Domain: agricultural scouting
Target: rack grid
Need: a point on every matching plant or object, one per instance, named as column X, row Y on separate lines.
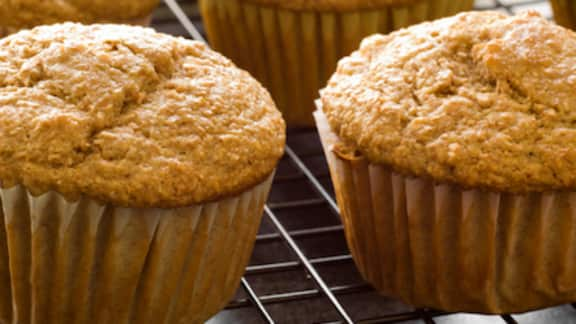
column 301, row 270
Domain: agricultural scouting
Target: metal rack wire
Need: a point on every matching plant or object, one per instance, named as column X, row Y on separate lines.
column 301, row 270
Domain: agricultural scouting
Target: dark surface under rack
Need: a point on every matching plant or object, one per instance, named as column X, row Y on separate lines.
column 301, row 270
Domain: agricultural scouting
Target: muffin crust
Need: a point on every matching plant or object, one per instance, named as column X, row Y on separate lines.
column 337, row 5
column 480, row 99
column 132, row 117
column 29, row 13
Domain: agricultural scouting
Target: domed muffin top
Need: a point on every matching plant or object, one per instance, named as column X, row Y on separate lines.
column 132, row 117
column 338, row 5
column 480, row 99
column 29, row 13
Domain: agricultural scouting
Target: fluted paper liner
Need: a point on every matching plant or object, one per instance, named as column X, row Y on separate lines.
column 454, row 249
column 83, row 262
column 140, row 21
column 564, row 12
column 293, row 53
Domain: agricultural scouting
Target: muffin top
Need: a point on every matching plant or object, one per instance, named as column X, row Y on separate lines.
column 29, row 13
column 338, row 5
column 480, row 99
column 132, row 117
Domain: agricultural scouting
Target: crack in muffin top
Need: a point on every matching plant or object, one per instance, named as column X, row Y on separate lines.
column 29, row 13
column 480, row 99
column 131, row 117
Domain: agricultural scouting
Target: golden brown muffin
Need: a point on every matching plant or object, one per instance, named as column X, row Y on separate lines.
column 21, row 14
column 134, row 169
column 292, row 47
column 458, row 102
column 105, row 105
column 451, row 146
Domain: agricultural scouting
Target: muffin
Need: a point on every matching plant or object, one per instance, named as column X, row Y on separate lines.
column 452, row 148
column 134, row 168
column 564, row 12
column 24, row 14
column 292, row 47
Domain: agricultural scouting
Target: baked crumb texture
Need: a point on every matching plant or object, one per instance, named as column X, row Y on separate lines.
column 480, row 99
column 132, row 117
column 29, row 13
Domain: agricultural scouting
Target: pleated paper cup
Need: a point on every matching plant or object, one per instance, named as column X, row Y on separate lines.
column 445, row 247
column 564, row 12
column 5, row 31
column 84, row 262
column 294, row 52
column 140, row 21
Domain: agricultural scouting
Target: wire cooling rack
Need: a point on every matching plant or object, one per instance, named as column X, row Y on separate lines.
column 301, row 270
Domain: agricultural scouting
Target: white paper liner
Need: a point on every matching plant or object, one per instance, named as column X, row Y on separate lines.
column 440, row 246
column 293, row 53
column 83, row 262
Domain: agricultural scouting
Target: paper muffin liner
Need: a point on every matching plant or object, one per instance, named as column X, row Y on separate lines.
column 454, row 249
column 293, row 53
column 83, row 262
column 140, row 21
column 564, row 12
column 5, row 31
